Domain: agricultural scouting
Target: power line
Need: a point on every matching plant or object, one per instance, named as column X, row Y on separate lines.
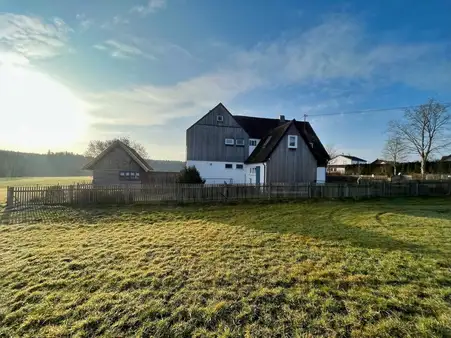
column 370, row 110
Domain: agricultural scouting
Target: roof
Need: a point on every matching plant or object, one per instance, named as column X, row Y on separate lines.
column 446, row 158
column 267, row 145
column 257, row 127
column 130, row 151
column 270, row 142
column 380, row 161
column 352, row 158
column 166, row 166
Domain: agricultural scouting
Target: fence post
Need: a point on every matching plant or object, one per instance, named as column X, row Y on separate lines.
column 10, row 197
column 71, row 194
column 416, row 189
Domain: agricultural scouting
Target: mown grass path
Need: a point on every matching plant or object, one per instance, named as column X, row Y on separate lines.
column 345, row 269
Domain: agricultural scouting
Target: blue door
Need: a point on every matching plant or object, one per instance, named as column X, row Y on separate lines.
column 257, row 175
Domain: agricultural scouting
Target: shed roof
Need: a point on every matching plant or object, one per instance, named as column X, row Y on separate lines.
column 130, row 151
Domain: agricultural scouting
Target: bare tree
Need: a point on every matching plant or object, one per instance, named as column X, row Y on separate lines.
column 331, row 150
column 425, row 130
column 95, row 147
column 395, row 150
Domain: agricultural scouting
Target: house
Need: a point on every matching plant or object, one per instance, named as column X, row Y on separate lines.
column 378, row 161
column 120, row 164
column 338, row 163
column 446, row 158
column 243, row 149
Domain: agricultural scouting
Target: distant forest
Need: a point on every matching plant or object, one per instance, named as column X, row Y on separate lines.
column 60, row 164
column 15, row 164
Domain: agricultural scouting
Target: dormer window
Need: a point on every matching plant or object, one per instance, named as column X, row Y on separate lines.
column 239, row 142
column 292, row 141
column 220, row 118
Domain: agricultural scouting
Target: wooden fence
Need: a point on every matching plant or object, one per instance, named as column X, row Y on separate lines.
column 87, row 194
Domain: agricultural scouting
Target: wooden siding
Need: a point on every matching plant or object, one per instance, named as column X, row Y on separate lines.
column 106, row 171
column 291, row 165
column 205, row 140
column 210, row 118
column 207, row 143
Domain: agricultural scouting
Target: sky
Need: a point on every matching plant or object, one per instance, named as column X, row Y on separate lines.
column 73, row 71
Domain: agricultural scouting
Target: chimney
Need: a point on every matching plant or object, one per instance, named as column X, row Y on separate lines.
column 282, row 118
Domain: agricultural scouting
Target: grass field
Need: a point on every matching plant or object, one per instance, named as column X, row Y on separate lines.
column 31, row 181
column 335, row 269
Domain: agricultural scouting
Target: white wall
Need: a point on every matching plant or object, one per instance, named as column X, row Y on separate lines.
column 320, row 175
column 340, row 160
column 216, row 173
column 252, row 177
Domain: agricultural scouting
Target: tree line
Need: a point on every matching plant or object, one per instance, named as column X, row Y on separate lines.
column 406, row 168
column 17, row 164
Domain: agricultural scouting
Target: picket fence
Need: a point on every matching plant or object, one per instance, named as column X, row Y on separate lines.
column 86, row 194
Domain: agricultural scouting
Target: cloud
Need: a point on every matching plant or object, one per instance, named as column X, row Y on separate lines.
column 30, row 37
column 153, row 105
column 122, row 50
column 339, row 49
column 151, row 7
column 84, row 22
column 335, row 58
column 117, row 20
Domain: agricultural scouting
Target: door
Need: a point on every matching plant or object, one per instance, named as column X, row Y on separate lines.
column 257, row 175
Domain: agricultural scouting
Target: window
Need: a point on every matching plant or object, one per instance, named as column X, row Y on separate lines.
column 229, row 141
column 253, row 143
column 129, row 175
column 220, row 118
column 252, row 170
column 239, row 142
column 292, row 141
column 229, row 166
column 239, row 166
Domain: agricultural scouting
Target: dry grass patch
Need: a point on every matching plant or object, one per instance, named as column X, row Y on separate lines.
column 375, row 268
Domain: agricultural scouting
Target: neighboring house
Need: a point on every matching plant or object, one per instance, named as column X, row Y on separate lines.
column 378, row 161
column 120, row 164
column 243, row 149
column 338, row 163
column 446, row 158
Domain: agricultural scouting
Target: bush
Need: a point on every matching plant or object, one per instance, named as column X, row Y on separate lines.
column 190, row 175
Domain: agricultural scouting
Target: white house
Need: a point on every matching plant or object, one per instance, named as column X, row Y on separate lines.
column 338, row 163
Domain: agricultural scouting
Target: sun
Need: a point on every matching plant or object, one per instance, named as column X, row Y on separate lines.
column 37, row 113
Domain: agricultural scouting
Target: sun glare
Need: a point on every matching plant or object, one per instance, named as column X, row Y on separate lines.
column 37, row 113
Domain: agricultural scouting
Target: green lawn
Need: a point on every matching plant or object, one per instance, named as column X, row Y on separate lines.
column 31, row 181
column 347, row 269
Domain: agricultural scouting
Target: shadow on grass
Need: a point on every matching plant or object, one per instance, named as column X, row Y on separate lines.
column 331, row 222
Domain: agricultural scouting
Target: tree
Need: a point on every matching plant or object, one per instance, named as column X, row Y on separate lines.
column 95, row 147
column 395, row 150
column 190, row 175
column 331, row 150
column 424, row 130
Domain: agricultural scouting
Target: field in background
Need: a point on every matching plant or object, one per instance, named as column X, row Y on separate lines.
column 32, row 181
column 362, row 269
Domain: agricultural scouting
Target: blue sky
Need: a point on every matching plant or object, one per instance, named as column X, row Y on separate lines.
column 149, row 69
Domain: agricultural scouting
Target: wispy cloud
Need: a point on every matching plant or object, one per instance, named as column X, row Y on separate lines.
column 151, row 7
column 117, row 20
column 332, row 58
column 84, row 22
column 149, row 105
column 30, row 37
column 122, row 50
